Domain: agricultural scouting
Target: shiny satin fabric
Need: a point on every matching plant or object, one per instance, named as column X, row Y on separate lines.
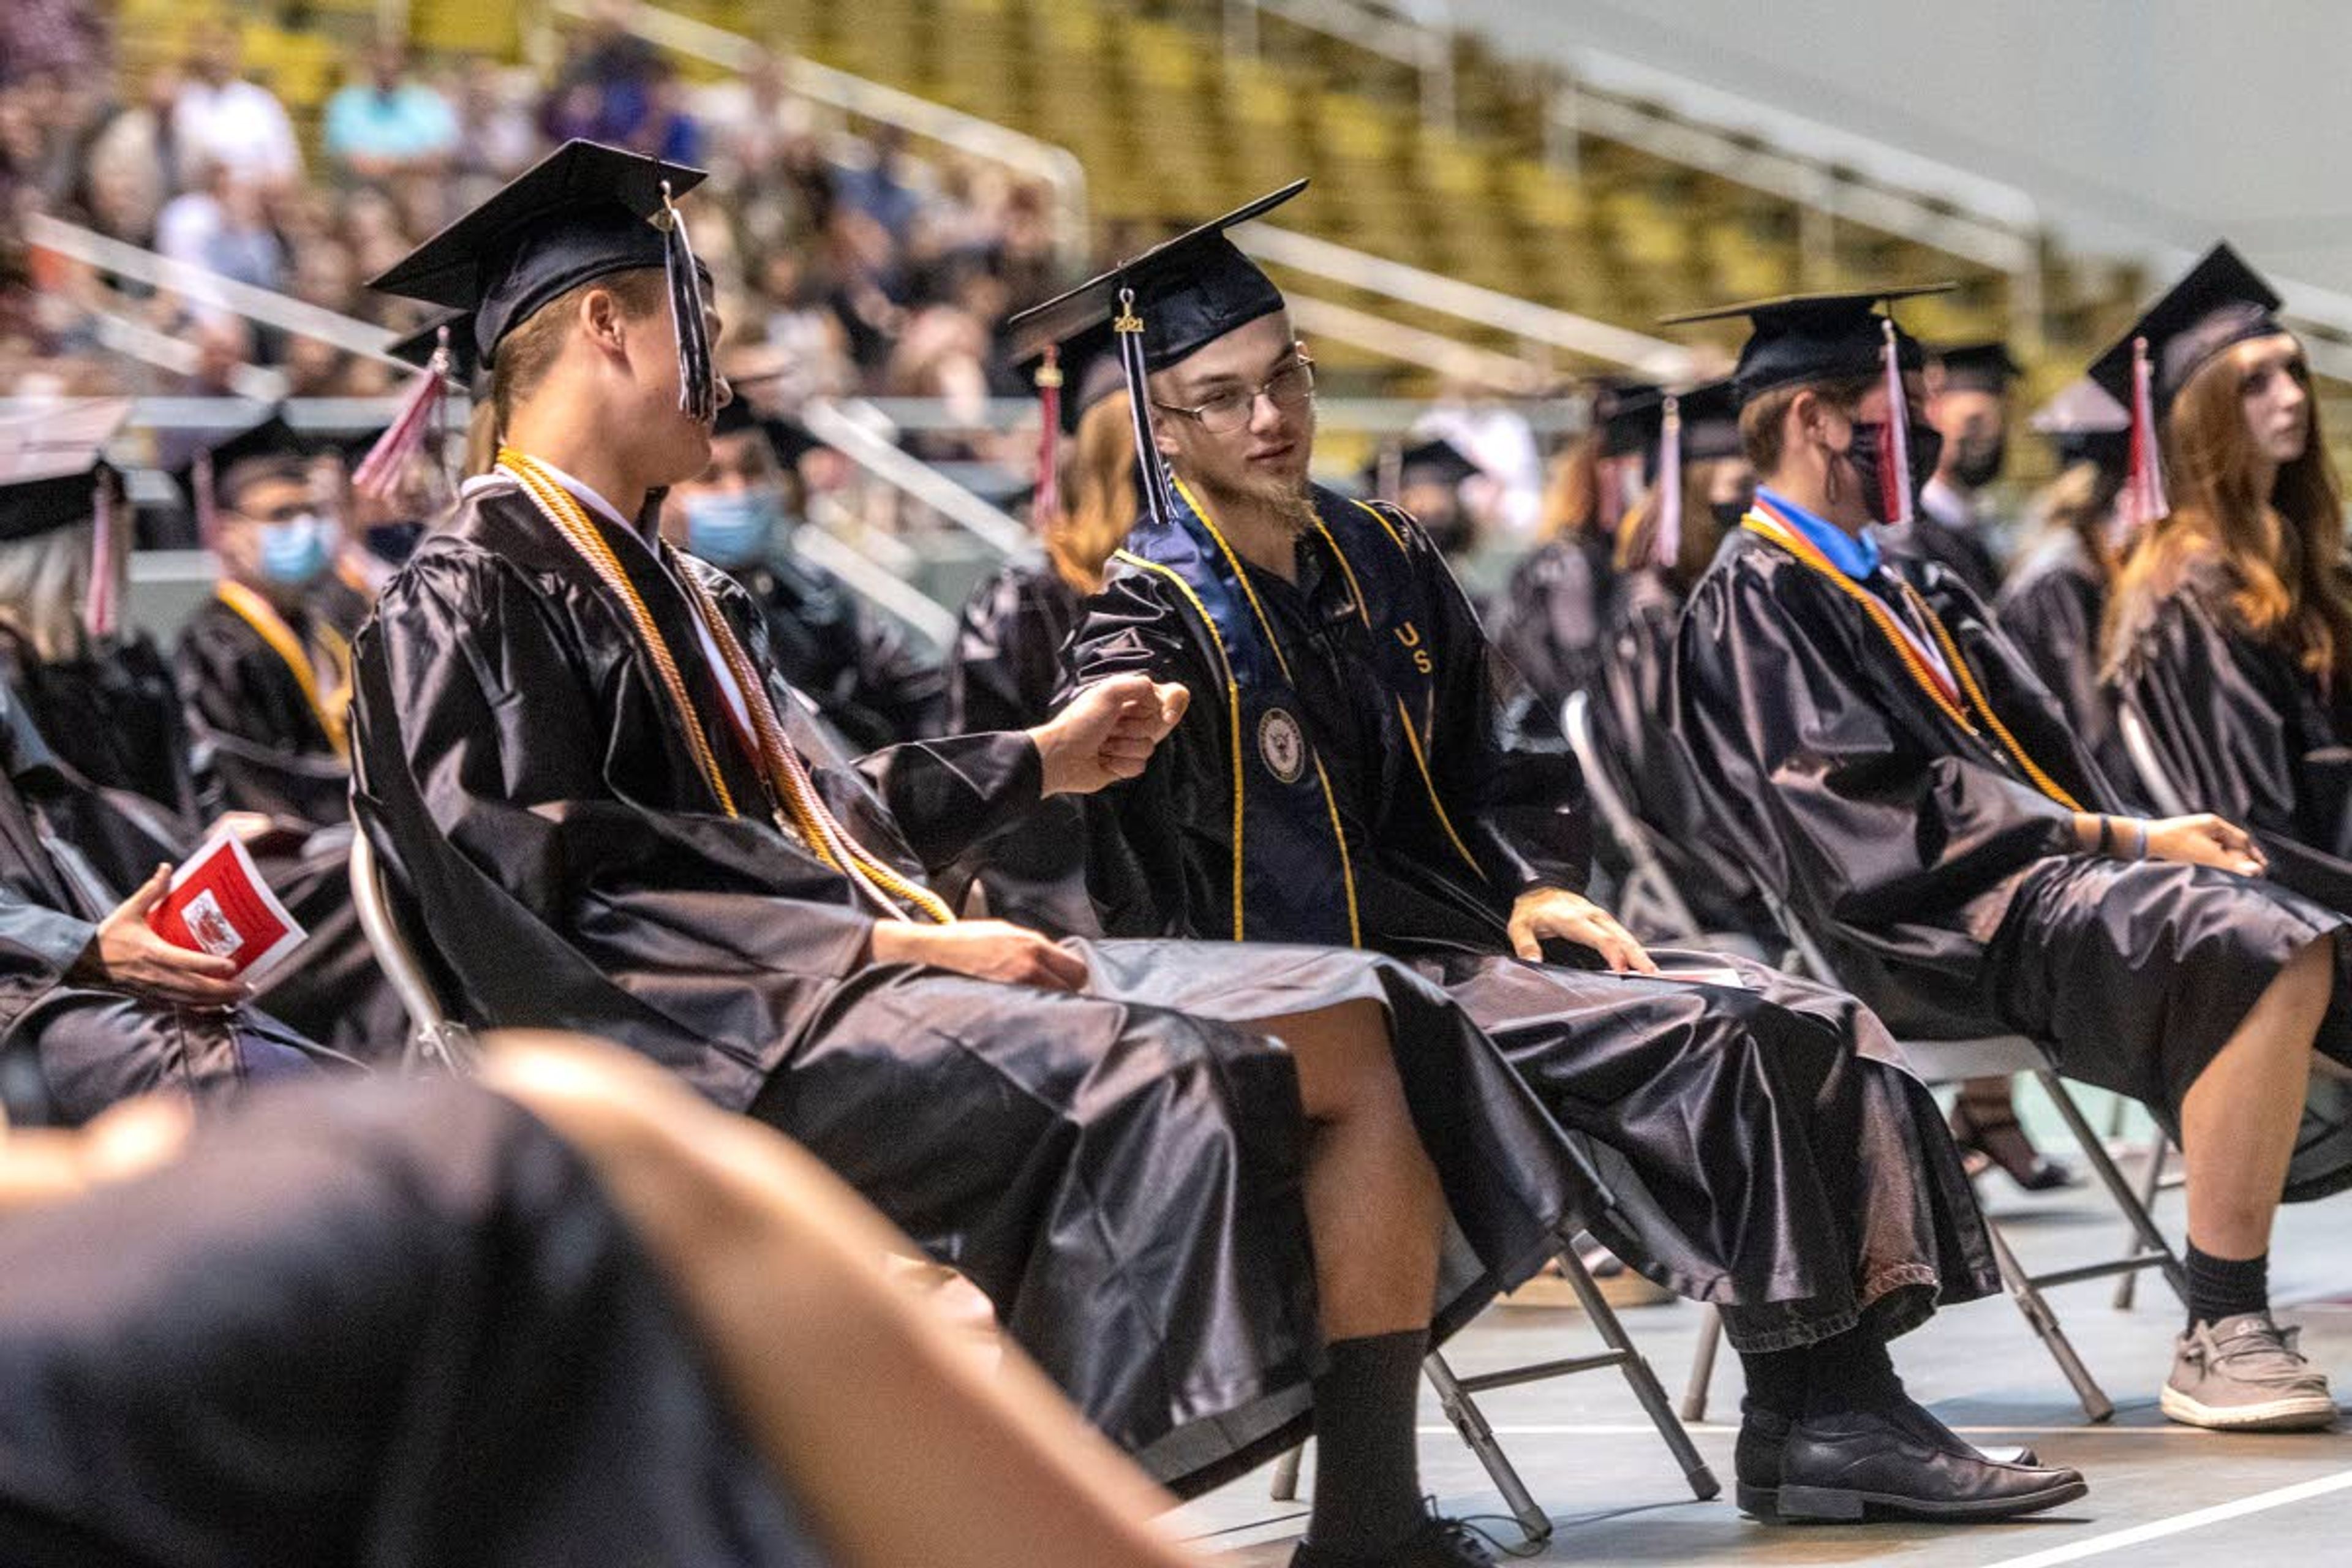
column 2240, row 729
column 1947, row 889
column 1122, row 1177
column 1632, row 729
column 392, row 1325
column 857, row 666
column 1713, row 1112
column 92, row 1045
column 1554, row 615
column 1962, row 552
column 112, row 717
column 1001, row 675
column 2053, row 610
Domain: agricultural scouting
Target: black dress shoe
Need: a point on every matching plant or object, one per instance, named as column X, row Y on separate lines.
column 1899, row 1466
column 1756, row 1459
column 1439, row 1543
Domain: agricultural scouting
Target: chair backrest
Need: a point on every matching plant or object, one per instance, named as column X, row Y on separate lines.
column 2162, row 794
column 435, row 1042
column 1649, row 896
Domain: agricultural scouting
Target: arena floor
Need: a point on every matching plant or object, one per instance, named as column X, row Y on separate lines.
column 2160, row 1494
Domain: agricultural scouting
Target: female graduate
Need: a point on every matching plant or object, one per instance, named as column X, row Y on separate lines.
column 1911, row 791
column 2230, row 635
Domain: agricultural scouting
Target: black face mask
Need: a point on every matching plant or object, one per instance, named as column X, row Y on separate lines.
column 394, row 541
column 1728, row 513
column 1978, row 462
column 1926, row 444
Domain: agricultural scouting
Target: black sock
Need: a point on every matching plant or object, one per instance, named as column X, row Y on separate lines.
column 2222, row 1287
column 1367, row 1460
column 1776, row 1383
column 1851, row 1372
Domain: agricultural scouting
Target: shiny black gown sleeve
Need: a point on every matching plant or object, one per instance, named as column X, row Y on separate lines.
column 395, row 1324
column 1006, row 665
column 266, row 748
column 2241, row 731
column 1815, row 756
column 1554, row 611
column 578, row 906
column 2051, row 615
column 1506, row 776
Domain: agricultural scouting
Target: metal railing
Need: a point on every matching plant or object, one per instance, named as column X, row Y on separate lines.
column 1056, row 166
column 1425, row 44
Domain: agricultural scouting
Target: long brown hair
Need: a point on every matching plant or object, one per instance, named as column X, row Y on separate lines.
column 1572, row 492
column 2280, row 556
column 1098, row 486
column 1701, row 534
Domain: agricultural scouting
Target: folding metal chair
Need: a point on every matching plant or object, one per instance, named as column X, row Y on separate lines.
column 436, row 1042
column 1456, row 1396
column 2001, row 1055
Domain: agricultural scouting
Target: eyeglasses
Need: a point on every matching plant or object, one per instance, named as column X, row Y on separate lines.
column 1227, row 411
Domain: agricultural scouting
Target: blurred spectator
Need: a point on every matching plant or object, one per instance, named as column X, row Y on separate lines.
column 245, row 246
column 880, row 189
column 186, row 228
column 129, row 163
column 64, row 37
column 496, row 138
column 605, row 88
column 222, row 116
column 390, row 124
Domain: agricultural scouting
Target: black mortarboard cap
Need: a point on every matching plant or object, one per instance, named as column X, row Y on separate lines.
column 51, row 462
column 582, row 213
column 1626, row 412
column 271, row 448
column 1976, row 367
column 1801, row 338
column 2221, row 303
column 1190, row 291
column 1436, row 461
column 788, row 438
column 2083, row 423
column 1710, row 426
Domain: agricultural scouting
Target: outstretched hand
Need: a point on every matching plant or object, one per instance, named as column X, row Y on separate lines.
column 1108, row 732
column 128, row 956
column 1540, row 912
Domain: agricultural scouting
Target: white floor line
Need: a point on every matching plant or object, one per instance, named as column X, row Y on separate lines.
column 2157, row 1530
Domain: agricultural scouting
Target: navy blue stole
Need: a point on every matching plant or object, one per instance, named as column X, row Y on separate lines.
column 1292, row 878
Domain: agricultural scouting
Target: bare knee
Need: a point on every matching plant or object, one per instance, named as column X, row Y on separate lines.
column 1347, row 1065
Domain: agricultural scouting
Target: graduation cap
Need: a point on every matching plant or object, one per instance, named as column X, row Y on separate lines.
column 1802, row 338
column 54, row 474
column 584, row 211
column 1799, row 338
column 2221, row 303
column 268, row 449
column 1976, row 367
column 1708, row 419
column 1434, row 461
column 788, row 438
column 2085, row 424
column 1160, row 307
column 450, row 336
column 444, row 351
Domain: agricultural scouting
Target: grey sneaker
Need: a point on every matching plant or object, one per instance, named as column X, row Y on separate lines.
column 2245, row 1374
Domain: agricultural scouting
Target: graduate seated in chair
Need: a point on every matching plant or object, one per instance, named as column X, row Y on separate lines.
column 1207, row 1190
column 1902, row 779
column 1356, row 769
column 568, row 1314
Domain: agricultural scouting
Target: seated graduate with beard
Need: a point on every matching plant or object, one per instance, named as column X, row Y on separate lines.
column 1358, row 768
column 1209, row 1191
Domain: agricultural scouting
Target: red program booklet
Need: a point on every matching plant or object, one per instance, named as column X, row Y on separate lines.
column 217, row 903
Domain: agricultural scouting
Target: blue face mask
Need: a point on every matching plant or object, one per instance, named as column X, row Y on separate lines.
column 733, row 529
column 295, row 553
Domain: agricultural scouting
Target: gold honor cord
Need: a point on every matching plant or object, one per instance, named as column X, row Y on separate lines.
column 780, row 764
column 1807, row 552
column 330, row 709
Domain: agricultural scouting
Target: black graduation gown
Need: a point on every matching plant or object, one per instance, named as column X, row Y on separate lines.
column 112, row 716
column 268, row 752
column 1003, row 672
column 391, row 1324
column 2053, row 610
column 1760, row 1150
column 1946, row 888
column 1554, row 615
column 1960, row 550
column 858, row 667
column 1633, row 729
column 80, row 1048
column 1119, row 1170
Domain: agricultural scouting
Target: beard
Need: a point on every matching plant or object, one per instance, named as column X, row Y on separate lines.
column 1287, row 499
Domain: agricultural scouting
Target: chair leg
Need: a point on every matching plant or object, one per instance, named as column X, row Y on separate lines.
column 2045, row 1322
column 2151, row 1185
column 1702, row 1372
column 2135, row 1212
column 1471, row 1422
column 1640, row 1378
column 1285, row 1476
